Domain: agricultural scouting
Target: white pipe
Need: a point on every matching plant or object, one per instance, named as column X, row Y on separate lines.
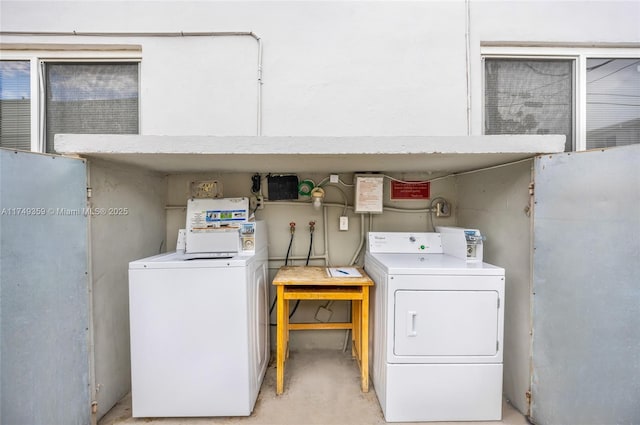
column 325, row 204
column 362, row 241
column 259, row 112
column 159, row 34
column 467, row 38
column 352, row 262
column 325, row 231
column 344, row 195
column 408, row 210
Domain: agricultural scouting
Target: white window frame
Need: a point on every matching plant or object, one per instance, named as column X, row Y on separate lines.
column 579, row 55
column 65, row 53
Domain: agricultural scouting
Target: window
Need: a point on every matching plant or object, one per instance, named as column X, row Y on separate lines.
column 524, row 96
column 591, row 95
column 15, row 105
column 45, row 91
column 613, row 102
column 91, row 98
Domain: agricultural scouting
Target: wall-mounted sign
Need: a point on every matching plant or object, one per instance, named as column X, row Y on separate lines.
column 369, row 190
column 409, row 190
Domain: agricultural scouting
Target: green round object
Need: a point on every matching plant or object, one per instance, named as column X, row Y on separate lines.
column 305, row 187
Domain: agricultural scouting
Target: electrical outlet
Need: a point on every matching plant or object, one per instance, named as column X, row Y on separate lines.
column 344, row 223
column 334, row 178
column 256, row 203
column 323, row 314
column 443, row 209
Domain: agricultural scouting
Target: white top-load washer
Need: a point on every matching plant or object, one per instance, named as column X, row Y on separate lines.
column 437, row 330
column 200, row 326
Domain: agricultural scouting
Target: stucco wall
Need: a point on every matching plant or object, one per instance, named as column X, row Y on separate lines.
column 497, row 202
column 329, row 68
column 116, row 240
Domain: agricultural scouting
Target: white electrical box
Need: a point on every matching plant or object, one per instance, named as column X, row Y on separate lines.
column 369, row 193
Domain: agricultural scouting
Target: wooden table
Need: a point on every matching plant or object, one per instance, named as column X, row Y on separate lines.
column 314, row 283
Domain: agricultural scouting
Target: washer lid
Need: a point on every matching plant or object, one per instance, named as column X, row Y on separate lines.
column 174, row 260
column 433, row 264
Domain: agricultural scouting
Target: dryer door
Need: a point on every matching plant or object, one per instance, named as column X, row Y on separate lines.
column 458, row 324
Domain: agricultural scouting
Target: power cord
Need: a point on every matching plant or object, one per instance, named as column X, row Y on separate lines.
column 312, row 227
column 292, row 229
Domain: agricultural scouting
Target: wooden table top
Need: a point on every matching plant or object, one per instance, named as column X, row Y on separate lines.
column 314, row 275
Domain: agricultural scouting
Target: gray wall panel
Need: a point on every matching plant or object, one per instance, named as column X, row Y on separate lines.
column 44, row 363
column 586, row 304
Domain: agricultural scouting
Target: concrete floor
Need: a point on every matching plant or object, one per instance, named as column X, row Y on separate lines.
column 321, row 387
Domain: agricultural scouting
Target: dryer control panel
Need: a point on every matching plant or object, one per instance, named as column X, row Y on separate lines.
column 462, row 243
column 405, row 242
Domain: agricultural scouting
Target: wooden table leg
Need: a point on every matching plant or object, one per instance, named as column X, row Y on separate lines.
column 354, row 319
column 287, row 334
column 280, row 340
column 364, row 339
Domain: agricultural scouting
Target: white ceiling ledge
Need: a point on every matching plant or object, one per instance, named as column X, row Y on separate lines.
column 294, row 154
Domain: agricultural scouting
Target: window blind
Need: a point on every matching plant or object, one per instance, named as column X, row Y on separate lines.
column 613, row 102
column 15, row 105
column 529, row 96
column 91, row 98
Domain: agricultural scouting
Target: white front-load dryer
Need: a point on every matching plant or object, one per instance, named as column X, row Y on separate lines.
column 437, row 332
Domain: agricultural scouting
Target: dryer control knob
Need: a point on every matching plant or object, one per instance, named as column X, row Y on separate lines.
column 412, row 238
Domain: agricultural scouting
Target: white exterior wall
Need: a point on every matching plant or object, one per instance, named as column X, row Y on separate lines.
column 329, row 69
